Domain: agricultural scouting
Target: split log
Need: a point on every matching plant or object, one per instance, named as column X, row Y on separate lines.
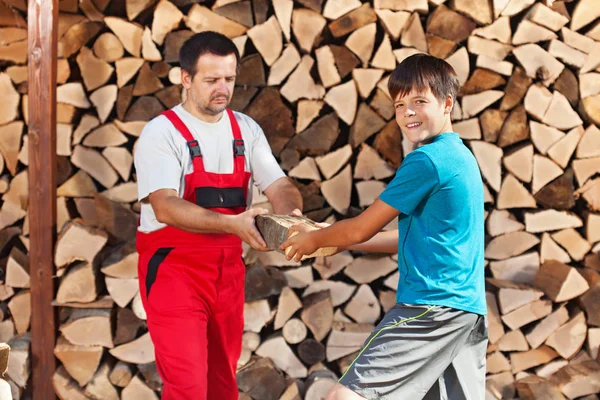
column 559, row 281
column 510, row 245
column 288, row 304
column 294, row 331
column 527, row 313
column 337, row 190
column 307, row 25
column 311, row 351
column 543, row 136
column 260, row 379
column 100, row 386
column 569, row 338
column 139, row 351
column 364, row 307
column 528, row 359
column 346, row 338
column 579, row 379
column 78, row 284
column 137, row 389
column 20, row 310
column 81, row 362
column 369, row 268
column 550, row 220
column 89, row 327
column 317, row 313
column 535, row 387
column 331, row 163
column 121, row 374
column 274, row 229
column 277, row 350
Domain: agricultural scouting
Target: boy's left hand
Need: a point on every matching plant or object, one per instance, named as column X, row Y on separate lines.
column 299, row 242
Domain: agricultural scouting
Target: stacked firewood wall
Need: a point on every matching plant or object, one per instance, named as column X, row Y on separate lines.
column 314, row 76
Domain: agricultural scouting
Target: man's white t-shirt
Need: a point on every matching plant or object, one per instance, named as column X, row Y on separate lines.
column 162, row 158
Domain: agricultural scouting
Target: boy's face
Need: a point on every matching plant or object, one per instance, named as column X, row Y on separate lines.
column 422, row 116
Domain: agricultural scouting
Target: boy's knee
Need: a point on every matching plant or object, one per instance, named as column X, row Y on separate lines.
column 341, row 392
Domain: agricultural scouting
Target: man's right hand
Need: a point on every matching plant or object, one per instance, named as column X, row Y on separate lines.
column 244, row 227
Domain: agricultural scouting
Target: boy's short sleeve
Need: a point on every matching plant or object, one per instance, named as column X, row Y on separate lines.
column 415, row 180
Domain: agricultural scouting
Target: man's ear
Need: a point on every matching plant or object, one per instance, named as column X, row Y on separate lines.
column 186, row 79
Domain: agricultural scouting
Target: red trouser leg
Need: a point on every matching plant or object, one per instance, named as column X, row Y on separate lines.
column 195, row 318
column 225, row 328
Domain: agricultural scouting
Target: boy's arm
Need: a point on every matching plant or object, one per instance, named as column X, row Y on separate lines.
column 345, row 233
column 383, row 242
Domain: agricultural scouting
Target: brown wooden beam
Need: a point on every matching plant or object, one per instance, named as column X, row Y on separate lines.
column 42, row 39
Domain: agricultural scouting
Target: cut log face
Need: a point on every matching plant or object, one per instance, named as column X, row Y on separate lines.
column 340, row 291
column 78, row 242
column 286, row 63
column 343, row 99
column 307, row 25
column 569, row 338
column 121, row 374
column 364, row 307
column 559, row 281
column 139, row 351
column 268, row 40
column 369, row 268
column 89, row 327
column 337, row 190
column 81, row 362
column 78, row 284
column 288, row 305
column 317, row 313
column 301, row 85
column 520, row 269
column 334, row 161
column 514, row 195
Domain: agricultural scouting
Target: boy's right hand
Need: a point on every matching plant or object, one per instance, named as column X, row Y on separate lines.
column 243, row 226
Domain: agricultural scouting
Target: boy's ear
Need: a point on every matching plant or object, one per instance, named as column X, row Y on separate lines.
column 449, row 104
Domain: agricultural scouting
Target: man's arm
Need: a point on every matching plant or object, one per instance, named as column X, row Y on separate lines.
column 174, row 211
column 284, row 196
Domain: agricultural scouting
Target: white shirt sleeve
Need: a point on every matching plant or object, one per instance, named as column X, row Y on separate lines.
column 157, row 160
column 265, row 169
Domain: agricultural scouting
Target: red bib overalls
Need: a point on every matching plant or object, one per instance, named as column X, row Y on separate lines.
column 192, row 285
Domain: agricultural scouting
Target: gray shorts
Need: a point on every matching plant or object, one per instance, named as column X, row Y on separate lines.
column 422, row 352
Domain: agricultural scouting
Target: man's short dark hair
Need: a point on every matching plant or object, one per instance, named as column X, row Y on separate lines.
column 422, row 72
column 205, row 43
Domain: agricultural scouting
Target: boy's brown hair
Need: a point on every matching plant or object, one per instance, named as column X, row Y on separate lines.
column 422, row 72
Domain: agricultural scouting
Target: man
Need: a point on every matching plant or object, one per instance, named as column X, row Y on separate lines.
column 195, row 166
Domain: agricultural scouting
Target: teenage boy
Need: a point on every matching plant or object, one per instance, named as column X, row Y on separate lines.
column 432, row 343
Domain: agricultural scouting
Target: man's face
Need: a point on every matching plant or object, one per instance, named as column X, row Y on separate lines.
column 421, row 116
column 210, row 90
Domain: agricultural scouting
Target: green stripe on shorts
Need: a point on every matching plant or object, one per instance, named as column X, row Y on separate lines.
column 381, row 330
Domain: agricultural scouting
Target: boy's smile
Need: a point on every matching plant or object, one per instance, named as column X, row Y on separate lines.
column 421, row 116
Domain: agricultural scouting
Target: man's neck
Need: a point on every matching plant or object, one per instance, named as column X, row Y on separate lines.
column 189, row 107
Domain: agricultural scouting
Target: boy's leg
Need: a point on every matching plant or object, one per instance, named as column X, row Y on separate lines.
column 341, row 392
column 225, row 328
column 464, row 379
column 408, row 351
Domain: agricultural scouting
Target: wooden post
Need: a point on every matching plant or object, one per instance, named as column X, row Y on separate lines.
column 42, row 39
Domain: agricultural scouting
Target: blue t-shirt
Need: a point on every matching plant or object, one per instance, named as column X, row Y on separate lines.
column 439, row 192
